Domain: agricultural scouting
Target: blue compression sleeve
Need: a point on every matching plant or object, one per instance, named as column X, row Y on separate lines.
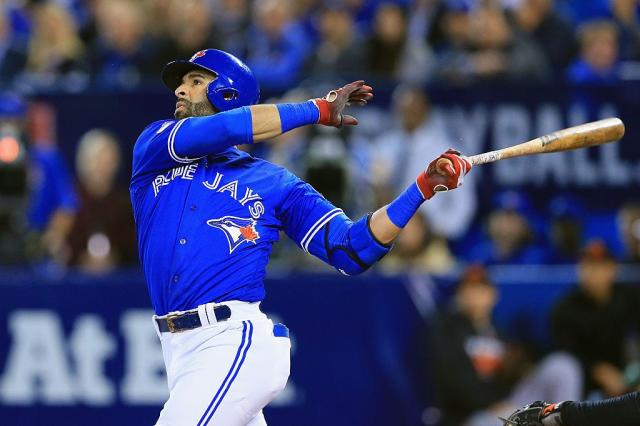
column 297, row 115
column 198, row 136
column 405, row 206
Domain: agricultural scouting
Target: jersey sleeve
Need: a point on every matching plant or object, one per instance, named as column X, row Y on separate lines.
column 323, row 230
column 168, row 143
column 154, row 150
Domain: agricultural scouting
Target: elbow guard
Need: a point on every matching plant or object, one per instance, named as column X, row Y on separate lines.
column 353, row 249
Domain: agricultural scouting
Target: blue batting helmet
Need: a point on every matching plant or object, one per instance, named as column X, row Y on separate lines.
column 235, row 85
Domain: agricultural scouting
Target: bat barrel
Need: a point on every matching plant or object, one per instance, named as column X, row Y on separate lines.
column 582, row 136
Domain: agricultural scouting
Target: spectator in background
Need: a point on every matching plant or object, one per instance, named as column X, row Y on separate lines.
column 398, row 156
column 340, row 53
column 103, row 236
column 391, row 53
column 56, row 51
column 553, row 34
column 450, row 37
column 500, row 52
column 595, row 321
column 232, row 21
column 52, row 199
column 478, row 374
column 190, row 28
column 511, row 239
column 123, row 53
column 158, row 12
column 598, row 61
column 419, row 250
column 629, row 225
column 565, row 229
column 13, row 50
column 279, row 45
column 625, row 13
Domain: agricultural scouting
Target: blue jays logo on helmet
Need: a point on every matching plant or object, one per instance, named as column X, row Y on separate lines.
column 234, row 86
column 237, row 230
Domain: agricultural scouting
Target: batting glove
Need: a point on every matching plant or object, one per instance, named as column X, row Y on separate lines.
column 443, row 174
column 332, row 105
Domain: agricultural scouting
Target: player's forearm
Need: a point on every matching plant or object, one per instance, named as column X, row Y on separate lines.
column 382, row 227
column 199, row 136
column 387, row 222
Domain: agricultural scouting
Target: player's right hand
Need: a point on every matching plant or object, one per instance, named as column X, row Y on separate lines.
column 443, row 174
column 332, row 105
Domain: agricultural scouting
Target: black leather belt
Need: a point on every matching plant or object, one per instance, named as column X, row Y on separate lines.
column 175, row 323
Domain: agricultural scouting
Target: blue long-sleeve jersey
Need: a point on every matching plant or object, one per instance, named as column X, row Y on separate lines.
column 208, row 214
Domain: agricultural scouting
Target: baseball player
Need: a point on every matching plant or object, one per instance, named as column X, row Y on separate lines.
column 207, row 216
column 621, row 411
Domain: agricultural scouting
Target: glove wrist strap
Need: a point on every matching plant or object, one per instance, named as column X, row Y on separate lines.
column 324, row 110
column 423, row 185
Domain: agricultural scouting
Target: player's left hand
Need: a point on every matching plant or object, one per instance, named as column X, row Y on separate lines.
column 332, row 105
column 538, row 413
column 443, row 174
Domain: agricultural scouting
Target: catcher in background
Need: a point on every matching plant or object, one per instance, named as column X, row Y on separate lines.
column 621, row 411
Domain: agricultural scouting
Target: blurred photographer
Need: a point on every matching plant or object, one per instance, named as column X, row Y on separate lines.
column 37, row 201
column 15, row 244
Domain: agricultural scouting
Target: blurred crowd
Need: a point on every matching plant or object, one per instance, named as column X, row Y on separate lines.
column 72, row 44
column 81, row 216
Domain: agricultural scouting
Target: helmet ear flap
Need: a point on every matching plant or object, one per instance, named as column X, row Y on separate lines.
column 223, row 98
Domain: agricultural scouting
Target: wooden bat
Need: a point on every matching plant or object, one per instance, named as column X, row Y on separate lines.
column 582, row 136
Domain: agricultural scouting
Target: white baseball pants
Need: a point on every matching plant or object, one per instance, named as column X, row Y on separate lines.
column 224, row 373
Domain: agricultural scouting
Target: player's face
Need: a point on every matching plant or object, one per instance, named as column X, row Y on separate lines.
column 192, row 95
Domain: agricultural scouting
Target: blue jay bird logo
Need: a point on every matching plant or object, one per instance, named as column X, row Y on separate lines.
column 236, row 229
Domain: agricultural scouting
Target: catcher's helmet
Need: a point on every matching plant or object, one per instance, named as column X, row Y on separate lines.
column 235, row 85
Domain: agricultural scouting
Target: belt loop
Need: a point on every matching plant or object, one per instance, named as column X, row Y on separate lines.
column 155, row 326
column 203, row 315
column 211, row 315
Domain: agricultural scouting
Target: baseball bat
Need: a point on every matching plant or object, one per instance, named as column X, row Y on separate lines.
column 582, row 136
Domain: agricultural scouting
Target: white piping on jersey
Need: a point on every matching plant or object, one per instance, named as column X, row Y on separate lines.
column 172, row 136
column 317, row 226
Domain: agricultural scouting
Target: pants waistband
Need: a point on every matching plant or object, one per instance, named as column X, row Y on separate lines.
column 207, row 314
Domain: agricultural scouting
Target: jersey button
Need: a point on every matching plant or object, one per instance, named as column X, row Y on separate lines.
column 176, row 278
column 193, row 207
column 183, row 241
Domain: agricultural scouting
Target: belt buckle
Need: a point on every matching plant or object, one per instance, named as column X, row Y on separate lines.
column 170, row 325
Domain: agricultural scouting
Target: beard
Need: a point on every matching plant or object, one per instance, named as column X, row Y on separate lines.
column 197, row 109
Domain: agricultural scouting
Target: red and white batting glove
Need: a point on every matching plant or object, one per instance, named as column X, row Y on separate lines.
column 332, row 105
column 443, row 174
